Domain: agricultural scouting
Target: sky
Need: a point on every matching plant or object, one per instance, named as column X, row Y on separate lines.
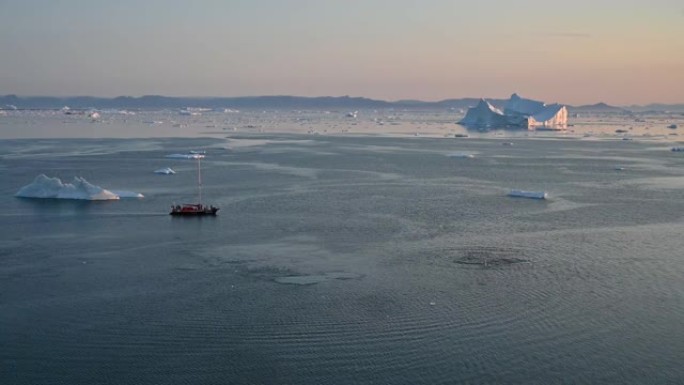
column 576, row 52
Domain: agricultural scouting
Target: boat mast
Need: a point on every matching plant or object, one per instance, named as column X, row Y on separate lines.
column 199, row 179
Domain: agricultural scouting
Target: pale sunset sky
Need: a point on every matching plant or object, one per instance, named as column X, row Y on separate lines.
column 577, row 52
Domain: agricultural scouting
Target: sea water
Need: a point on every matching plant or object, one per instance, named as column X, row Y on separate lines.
column 344, row 259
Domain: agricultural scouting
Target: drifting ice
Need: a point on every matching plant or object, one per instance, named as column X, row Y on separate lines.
column 528, row 194
column 186, row 156
column 53, row 188
column 165, row 171
column 462, row 156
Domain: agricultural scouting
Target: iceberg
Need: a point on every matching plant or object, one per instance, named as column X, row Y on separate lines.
column 517, row 105
column 518, row 112
column 44, row 187
column 528, row 194
column 165, row 171
column 484, row 115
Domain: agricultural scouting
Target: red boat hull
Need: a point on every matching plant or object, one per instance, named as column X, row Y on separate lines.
column 193, row 210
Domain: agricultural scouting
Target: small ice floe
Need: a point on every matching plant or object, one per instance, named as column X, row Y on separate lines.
column 528, row 194
column 189, row 112
column 44, row 187
column 461, row 156
column 677, row 149
column 186, row 156
column 165, row 171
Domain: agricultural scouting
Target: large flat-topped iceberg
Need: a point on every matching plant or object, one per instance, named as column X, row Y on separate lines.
column 518, row 105
column 44, row 187
column 518, row 112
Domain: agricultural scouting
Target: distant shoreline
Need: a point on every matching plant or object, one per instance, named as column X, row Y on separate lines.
column 281, row 102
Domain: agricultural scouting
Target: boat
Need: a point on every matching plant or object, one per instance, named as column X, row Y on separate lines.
column 195, row 209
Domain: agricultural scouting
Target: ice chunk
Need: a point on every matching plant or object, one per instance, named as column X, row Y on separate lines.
column 53, row 188
column 528, row 194
column 186, row 156
column 461, row 156
column 165, row 171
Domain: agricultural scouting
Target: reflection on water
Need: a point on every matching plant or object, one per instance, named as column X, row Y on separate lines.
column 345, row 259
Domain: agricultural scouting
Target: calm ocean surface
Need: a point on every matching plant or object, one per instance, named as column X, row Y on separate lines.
column 345, row 260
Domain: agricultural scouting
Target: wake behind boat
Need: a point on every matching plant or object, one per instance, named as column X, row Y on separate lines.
column 195, row 209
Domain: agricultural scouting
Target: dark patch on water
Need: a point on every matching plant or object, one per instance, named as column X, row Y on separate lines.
column 488, row 256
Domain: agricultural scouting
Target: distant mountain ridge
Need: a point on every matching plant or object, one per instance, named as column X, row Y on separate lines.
column 278, row 101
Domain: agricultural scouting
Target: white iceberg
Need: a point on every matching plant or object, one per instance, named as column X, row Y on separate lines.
column 517, row 105
column 165, row 171
column 44, row 187
column 518, row 112
column 528, row 194
column 484, row 115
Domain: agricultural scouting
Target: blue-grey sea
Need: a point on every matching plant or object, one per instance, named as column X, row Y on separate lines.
column 345, row 260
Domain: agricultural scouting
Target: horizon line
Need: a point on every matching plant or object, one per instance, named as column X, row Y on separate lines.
column 19, row 96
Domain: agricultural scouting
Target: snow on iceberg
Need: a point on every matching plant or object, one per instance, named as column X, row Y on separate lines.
column 484, row 115
column 528, row 194
column 165, row 171
column 53, row 188
column 518, row 112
